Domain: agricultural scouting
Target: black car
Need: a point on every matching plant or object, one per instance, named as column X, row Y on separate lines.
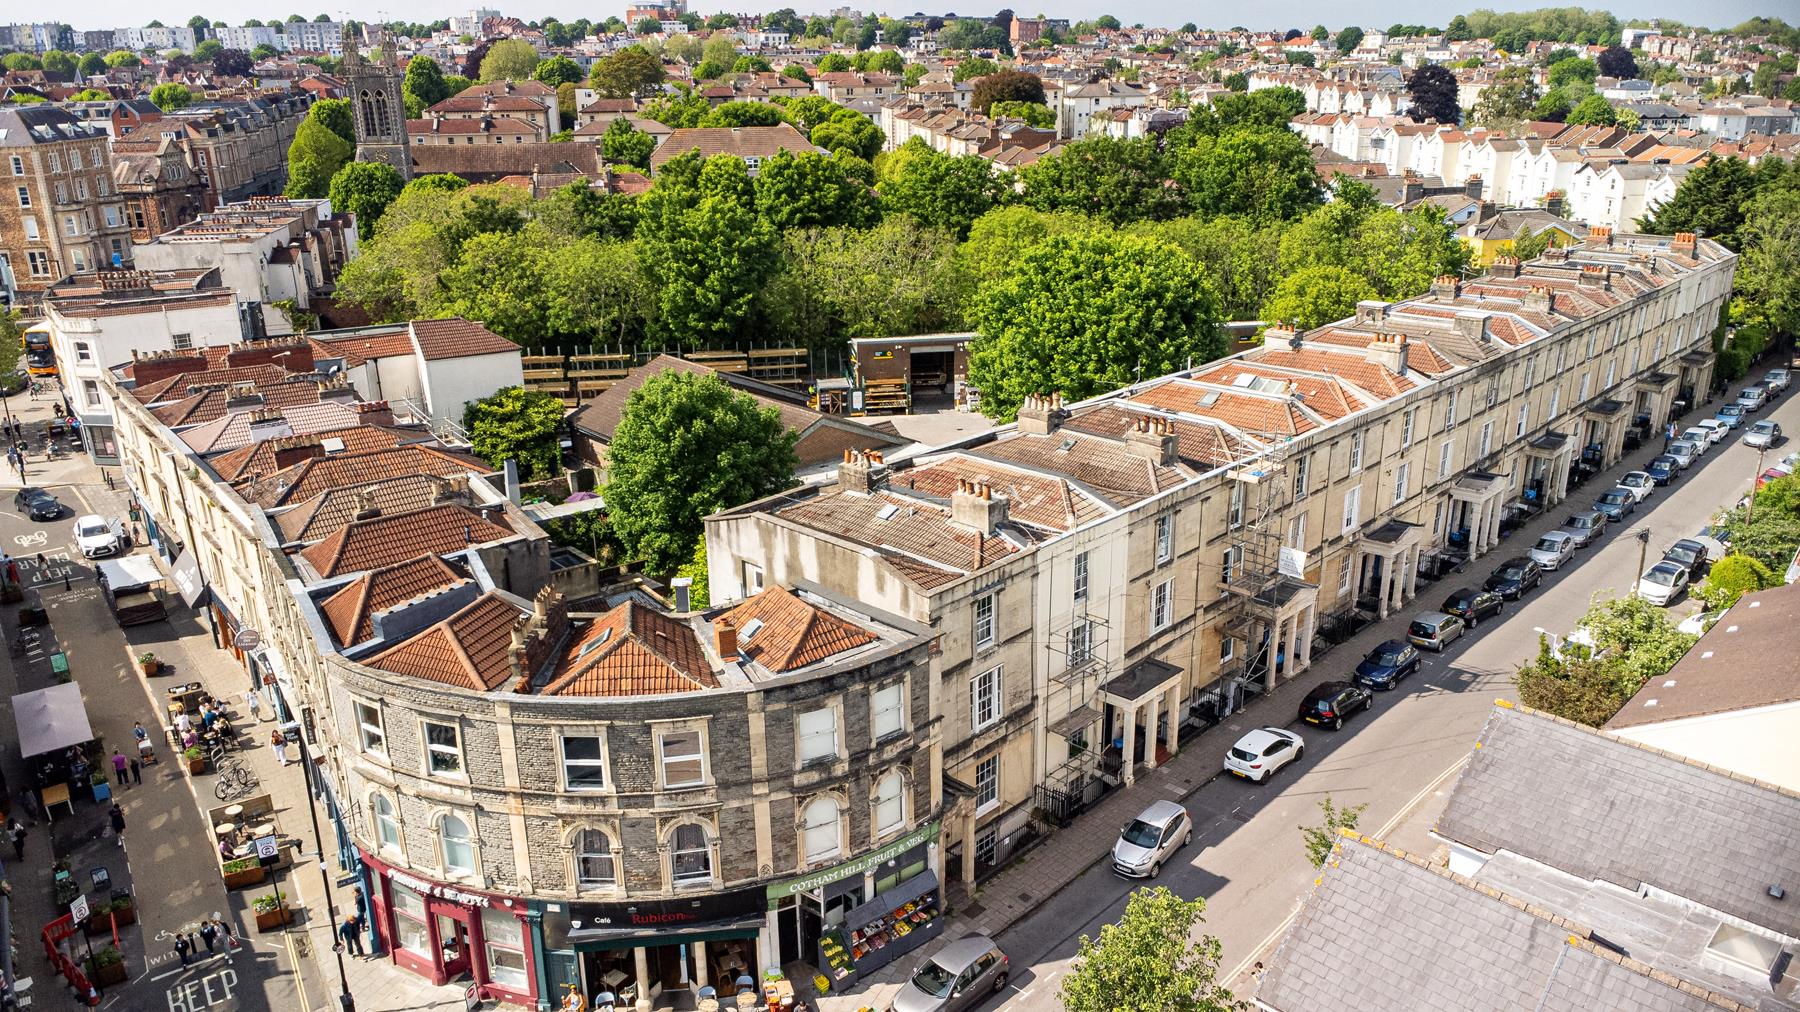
column 1472, row 605
column 38, row 504
column 1690, row 556
column 1387, row 664
column 1512, row 578
column 1331, row 702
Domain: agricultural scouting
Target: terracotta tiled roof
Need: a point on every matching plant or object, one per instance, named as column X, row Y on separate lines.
column 1036, row 499
column 209, row 405
column 1199, row 444
column 1328, row 398
column 793, row 633
column 632, row 650
column 1365, row 374
column 744, row 142
column 257, row 459
column 324, row 513
column 350, row 611
column 458, row 338
column 174, row 388
column 396, row 537
column 361, row 347
column 916, row 528
column 1100, row 464
column 468, row 649
column 318, row 474
column 1254, row 413
column 232, row 432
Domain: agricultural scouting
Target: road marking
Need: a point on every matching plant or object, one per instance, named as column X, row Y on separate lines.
column 188, row 966
column 294, row 960
column 1407, row 808
column 34, row 538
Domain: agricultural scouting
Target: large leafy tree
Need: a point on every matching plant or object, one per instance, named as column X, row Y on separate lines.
column 743, row 114
column 624, row 144
column 334, row 115
column 1731, row 578
column 424, row 84
column 1632, row 641
column 314, row 157
column 1769, row 530
column 232, row 63
column 1348, row 39
column 1150, row 961
column 508, row 60
column 836, row 283
column 171, row 96
column 1314, row 296
column 809, row 189
column 1118, row 180
column 1508, row 100
column 1617, row 61
column 1768, row 274
column 688, row 446
column 1710, row 199
column 365, row 189
column 557, row 70
column 519, row 425
column 1238, row 255
column 1006, row 86
column 1433, row 91
column 705, row 249
column 1259, row 173
column 849, row 131
column 1592, row 111
column 939, row 190
column 1084, row 314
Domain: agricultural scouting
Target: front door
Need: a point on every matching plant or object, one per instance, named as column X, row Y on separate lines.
column 453, row 945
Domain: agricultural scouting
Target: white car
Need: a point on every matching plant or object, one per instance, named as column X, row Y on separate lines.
column 1716, row 430
column 1663, row 583
column 96, row 536
column 1701, row 438
column 1552, row 550
column 1777, row 379
column 1639, row 484
column 1257, row 755
column 1697, row 623
column 1152, row 838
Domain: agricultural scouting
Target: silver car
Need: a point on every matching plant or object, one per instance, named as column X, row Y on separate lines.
column 1763, row 434
column 1584, row 528
column 1752, row 398
column 1684, row 452
column 1552, row 550
column 962, row 975
column 1776, row 380
column 1151, row 839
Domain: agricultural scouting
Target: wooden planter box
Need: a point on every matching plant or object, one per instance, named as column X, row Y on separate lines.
column 149, row 668
column 99, row 923
column 197, row 766
column 247, row 877
column 274, row 919
column 108, row 975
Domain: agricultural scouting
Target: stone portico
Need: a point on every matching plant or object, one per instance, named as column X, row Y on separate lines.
column 1548, row 460
column 1150, row 690
column 1481, row 496
column 1392, row 549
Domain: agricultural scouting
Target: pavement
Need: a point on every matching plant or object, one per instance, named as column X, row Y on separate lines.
column 1399, row 759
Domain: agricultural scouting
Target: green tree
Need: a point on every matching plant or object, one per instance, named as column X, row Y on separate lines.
column 940, row 190
column 1592, row 111
column 1238, row 255
column 646, row 26
column 58, row 64
column 365, row 189
column 1236, row 81
column 315, row 156
column 518, row 425
column 1322, row 838
column 719, row 49
column 851, row 131
column 205, row 51
column 700, row 589
column 795, row 72
column 1348, row 39
column 1528, row 246
column 1731, row 578
column 1508, row 100
column 974, row 67
column 1149, row 961
column 1259, row 173
column 704, row 247
column 684, row 109
column 1034, row 114
column 1317, row 295
column 508, row 60
column 998, row 239
column 1119, row 180
column 833, row 63
column 1006, row 86
column 624, row 144
column 1571, row 70
column 1617, row 61
column 808, row 190
column 171, row 96
column 557, row 70
column 1711, row 199
column 1769, row 530
column 1084, row 314
column 334, row 114
column 1578, row 687
column 122, row 58
column 90, row 95
column 688, row 446
column 21, row 61
column 425, row 81
column 743, row 114
column 1768, row 272
column 628, row 73
column 836, row 283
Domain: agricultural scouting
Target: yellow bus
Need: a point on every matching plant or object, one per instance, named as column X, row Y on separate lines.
column 40, row 357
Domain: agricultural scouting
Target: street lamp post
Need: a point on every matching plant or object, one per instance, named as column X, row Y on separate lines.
column 1643, row 538
column 1750, row 503
column 345, row 1000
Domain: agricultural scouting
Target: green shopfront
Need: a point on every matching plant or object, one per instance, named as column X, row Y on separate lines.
column 852, row 917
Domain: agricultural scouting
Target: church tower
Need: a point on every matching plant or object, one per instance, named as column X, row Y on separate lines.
column 377, row 103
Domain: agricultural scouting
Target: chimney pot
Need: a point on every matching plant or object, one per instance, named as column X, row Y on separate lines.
column 725, row 640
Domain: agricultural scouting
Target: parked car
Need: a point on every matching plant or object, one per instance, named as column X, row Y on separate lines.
column 1663, row 583
column 1715, row 429
column 1261, row 753
column 1662, row 470
column 1752, row 398
column 1639, row 484
column 1776, row 379
column 1691, row 556
column 1772, row 473
column 97, row 536
column 1584, row 527
column 1731, row 414
column 1387, row 664
column 1434, row 630
column 1616, row 503
column 1700, row 621
column 37, row 504
column 1331, row 702
column 1473, row 605
column 962, row 975
column 1684, row 452
column 1763, row 434
column 1512, row 578
column 1151, row 839
column 1701, row 438
column 1552, row 550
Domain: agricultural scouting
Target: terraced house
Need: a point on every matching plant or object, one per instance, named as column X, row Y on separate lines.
column 1102, row 575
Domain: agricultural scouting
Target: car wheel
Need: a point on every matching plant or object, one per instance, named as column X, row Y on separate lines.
column 1474, row 621
column 1155, row 868
column 1189, row 838
column 1338, row 724
column 1000, row 982
column 1300, row 753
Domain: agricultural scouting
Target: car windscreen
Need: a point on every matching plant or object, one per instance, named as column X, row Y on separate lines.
column 1549, row 545
column 1616, row 498
column 1388, row 658
column 1141, row 833
column 1424, row 630
column 1680, row 554
column 1511, row 573
column 934, row 980
column 90, row 530
column 1662, row 577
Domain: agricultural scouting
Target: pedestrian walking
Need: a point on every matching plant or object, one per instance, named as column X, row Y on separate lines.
column 117, row 815
column 208, row 935
column 16, row 834
column 183, row 722
column 119, row 761
column 231, row 939
column 253, row 703
column 137, row 772
column 351, row 932
column 183, row 947
column 278, row 744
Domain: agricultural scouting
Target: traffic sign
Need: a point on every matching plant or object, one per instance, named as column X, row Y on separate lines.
column 267, row 847
column 79, row 909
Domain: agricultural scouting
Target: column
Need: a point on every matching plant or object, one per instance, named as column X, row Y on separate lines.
column 1306, row 636
column 1399, row 579
column 1150, row 716
column 1128, row 764
column 968, row 851
column 642, row 956
column 1383, row 593
column 702, row 976
column 1274, row 638
column 1412, row 575
column 1496, row 511
column 1173, row 704
column 1293, row 645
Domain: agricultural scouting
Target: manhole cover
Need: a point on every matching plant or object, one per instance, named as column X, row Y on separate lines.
column 1240, row 815
column 1024, row 897
column 973, row 909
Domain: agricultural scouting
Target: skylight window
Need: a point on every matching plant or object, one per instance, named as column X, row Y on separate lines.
column 595, row 643
column 332, row 444
column 887, row 512
column 751, row 628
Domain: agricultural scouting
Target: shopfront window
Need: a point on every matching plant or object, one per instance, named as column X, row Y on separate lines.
column 594, row 860
column 820, row 831
column 409, row 920
column 459, row 846
column 505, row 942
column 691, row 856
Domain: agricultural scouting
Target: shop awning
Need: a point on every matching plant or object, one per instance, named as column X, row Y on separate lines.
column 631, row 937
column 130, row 571
column 51, row 719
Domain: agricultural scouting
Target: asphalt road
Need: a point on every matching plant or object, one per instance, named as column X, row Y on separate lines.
column 1247, row 857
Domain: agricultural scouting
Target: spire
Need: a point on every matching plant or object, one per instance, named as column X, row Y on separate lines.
column 352, row 48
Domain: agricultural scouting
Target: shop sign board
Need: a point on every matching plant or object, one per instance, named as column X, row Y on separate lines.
column 700, row 909
column 807, row 883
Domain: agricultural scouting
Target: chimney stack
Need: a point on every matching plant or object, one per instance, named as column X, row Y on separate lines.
column 683, row 588
column 862, row 472
column 1153, row 439
column 725, row 640
column 1601, row 234
column 1541, row 299
column 1389, row 352
column 1279, row 333
column 1446, row 286
column 975, row 506
column 365, row 504
column 1504, row 267
column 1474, row 326
column 1683, row 244
column 1041, row 414
column 1371, row 311
column 1595, row 276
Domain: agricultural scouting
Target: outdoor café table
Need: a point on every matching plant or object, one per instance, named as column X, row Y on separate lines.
column 57, row 794
column 225, row 828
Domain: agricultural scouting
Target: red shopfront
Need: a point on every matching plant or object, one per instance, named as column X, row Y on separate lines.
column 445, row 933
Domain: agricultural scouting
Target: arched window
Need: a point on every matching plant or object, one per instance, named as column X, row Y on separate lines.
column 890, row 803
column 381, row 110
column 690, row 855
column 387, row 828
column 459, row 847
column 368, row 110
column 819, row 829
column 594, row 860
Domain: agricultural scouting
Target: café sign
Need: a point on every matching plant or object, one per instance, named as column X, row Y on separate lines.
column 807, row 883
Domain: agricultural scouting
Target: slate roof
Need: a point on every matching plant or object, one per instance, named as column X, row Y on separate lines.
column 632, row 650
column 1729, row 668
column 210, row 405
column 1601, row 808
column 1384, row 930
column 310, row 477
column 918, row 539
column 468, row 650
column 256, row 459
column 1103, row 465
column 794, row 633
column 324, row 513
column 350, row 611
column 396, row 537
column 743, row 142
